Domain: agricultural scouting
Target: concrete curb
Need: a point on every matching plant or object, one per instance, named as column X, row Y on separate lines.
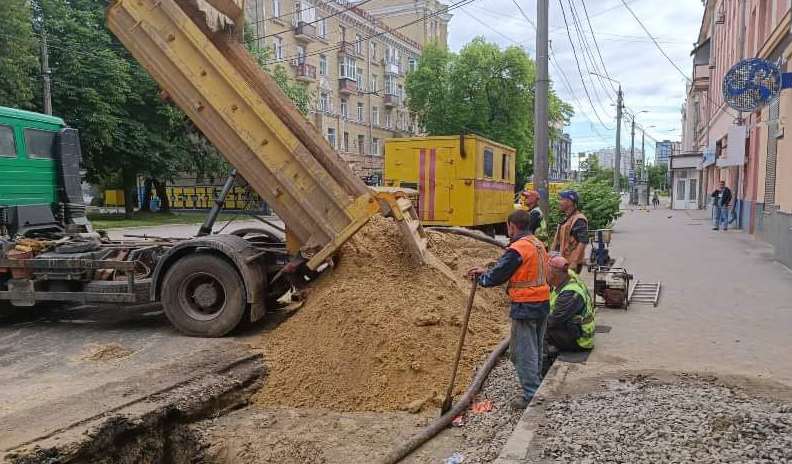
column 521, row 440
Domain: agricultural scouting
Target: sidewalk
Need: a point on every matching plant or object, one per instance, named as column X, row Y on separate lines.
column 725, row 309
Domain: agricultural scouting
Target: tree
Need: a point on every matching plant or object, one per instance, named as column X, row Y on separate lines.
column 483, row 90
column 658, row 176
column 18, row 55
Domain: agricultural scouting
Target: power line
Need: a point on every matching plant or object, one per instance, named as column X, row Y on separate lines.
column 580, row 72
column 340, row 44
column 588, row 56
column 649, row 34
column 492, row 29
column 345, row 10
column 530, row 21
column 596, row 45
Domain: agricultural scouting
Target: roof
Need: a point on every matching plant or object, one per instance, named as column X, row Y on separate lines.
column 30, row 116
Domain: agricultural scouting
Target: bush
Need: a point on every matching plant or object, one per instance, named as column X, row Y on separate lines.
column 598, row 201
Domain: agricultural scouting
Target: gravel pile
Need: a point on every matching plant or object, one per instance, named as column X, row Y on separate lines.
column 642, row 420
column 486, row 433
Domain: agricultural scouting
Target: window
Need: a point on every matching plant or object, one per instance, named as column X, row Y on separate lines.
column 276, row 8
column 341, row 33
column 346, row 141
column 375, row 146
column 388, row 120
column 373, row 48
column 300, row 54
column 374, row 83
column 361, row 83
column 323, row 28
column 375, row 116
column 40, row 144
column 358, row 43
column 324, row 102
column 7, row 142
column 693, row 193
column 277, row 45
column 399, row 91
column 413, row 63
column 347, row 68
column 505, row 167
column 390, row 85
column 360, row 112
column 344, row 108
column 361, row 144
column 322, row 65
column 331, row 136
column 487, row 162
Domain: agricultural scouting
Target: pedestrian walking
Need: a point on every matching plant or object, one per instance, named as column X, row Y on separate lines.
column 721, row 200
column 655, row 200
column 571, row 236
column 524, row 265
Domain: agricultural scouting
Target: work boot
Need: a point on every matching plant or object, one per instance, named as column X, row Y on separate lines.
column 519, row 402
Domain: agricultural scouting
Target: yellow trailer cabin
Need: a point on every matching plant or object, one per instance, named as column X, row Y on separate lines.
column 463, row 181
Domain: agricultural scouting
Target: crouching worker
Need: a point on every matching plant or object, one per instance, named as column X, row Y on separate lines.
column 524, row 266
column 570, row 326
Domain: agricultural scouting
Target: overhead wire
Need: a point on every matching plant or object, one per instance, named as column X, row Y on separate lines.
column 345, row 10
column 588, row 57
column 596, row 45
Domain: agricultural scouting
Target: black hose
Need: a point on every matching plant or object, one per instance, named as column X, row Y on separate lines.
column 468, row 233
column 404, row 450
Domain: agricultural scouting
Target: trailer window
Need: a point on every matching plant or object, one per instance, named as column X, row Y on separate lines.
column 487, row 162
column 7, row 142
column 40, row 144
column 505, row 167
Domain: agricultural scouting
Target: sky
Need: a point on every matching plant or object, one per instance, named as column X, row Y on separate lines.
column 653, row 88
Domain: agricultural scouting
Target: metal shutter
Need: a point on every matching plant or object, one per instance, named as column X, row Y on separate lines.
column 772, row 155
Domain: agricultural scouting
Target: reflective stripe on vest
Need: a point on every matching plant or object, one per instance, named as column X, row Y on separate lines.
column 528, row 284
column 587, row 318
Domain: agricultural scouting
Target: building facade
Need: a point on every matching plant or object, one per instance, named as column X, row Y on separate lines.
column 352, row 62
column 606, row 157
column 664, row 150
column 561, row 158
column 746, row 150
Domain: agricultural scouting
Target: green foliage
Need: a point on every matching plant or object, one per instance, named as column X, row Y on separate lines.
column 298, row 93
column 18, row 55
column 590, row 169
column 658, row 176
column 598, row 201
column 483, row 90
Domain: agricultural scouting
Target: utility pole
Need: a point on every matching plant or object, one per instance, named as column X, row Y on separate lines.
column 617, row 163
column 631, row 170
column 541, row 143
column 45, row 71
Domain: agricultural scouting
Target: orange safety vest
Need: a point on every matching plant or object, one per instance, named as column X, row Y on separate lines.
column 528, row 284
column 564, row 242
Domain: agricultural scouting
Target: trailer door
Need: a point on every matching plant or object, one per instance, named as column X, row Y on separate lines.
column 435, row 171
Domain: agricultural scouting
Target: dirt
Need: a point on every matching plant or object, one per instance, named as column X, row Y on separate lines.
column 105, row 353
column 378, row 332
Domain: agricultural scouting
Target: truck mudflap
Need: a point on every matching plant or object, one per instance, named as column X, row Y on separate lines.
column 237, row 250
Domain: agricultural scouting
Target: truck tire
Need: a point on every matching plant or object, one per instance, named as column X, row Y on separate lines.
column 203, row 296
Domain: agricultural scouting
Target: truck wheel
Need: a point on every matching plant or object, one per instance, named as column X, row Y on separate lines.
column 203, row 296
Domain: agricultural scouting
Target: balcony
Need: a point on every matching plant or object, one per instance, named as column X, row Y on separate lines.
column 392, row 68
column 347, row 86
column 305, row 32
column 305, row 72
column 348, row 48
column 390, row 100
column 701, row 76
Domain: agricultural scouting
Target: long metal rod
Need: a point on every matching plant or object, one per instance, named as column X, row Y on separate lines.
column 211, row 218
column 471, row 298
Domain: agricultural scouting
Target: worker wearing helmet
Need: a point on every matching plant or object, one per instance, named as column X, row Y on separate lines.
column 524, row 266
column 530, row 200
column 570, row 325
column 571, row 236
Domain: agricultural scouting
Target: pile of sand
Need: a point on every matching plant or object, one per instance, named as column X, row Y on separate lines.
column 378, row 332
column 105, row 353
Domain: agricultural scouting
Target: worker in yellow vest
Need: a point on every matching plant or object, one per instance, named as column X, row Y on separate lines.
column 524, row 265
column 570, row 326
column 571, row 236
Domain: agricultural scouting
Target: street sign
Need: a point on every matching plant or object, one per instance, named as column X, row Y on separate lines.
column 752, row 83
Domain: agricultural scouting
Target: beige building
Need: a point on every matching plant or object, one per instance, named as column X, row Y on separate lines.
column 354, row 66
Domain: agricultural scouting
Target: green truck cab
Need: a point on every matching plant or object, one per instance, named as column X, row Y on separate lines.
column 40, row 185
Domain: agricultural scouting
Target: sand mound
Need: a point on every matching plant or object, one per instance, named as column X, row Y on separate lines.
column 379, row 333
column 104, row 353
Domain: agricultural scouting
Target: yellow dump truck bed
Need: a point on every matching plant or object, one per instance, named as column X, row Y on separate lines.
column 208, row 73
column 461, row 181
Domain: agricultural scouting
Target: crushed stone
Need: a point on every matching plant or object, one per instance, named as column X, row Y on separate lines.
column 104, row 353
column 379, row 333
column 643, row 420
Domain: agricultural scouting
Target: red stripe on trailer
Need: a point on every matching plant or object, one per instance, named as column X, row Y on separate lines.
column 432, row 175
column 422, row 184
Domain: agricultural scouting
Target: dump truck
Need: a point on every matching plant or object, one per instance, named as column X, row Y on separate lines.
column 464, row 181
column 210, row 283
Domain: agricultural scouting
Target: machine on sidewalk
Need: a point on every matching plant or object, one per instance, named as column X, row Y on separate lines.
column 612, row 285
column 600, row 256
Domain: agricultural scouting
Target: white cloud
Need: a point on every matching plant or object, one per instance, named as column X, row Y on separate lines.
column 648, row 80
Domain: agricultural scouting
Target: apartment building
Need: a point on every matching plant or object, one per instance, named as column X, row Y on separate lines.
column 354, row 65
column 665, row 149
column 427, row 19
column 560, row 167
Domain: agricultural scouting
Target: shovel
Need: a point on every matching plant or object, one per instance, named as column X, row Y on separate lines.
column 447, row 401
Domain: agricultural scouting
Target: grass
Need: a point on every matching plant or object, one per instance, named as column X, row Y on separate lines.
column 143, row 219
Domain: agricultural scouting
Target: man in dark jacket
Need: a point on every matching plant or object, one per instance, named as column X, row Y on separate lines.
column 721, row 200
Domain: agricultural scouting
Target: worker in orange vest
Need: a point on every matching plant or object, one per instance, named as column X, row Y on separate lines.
column 524, row 265
column 571, row 236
